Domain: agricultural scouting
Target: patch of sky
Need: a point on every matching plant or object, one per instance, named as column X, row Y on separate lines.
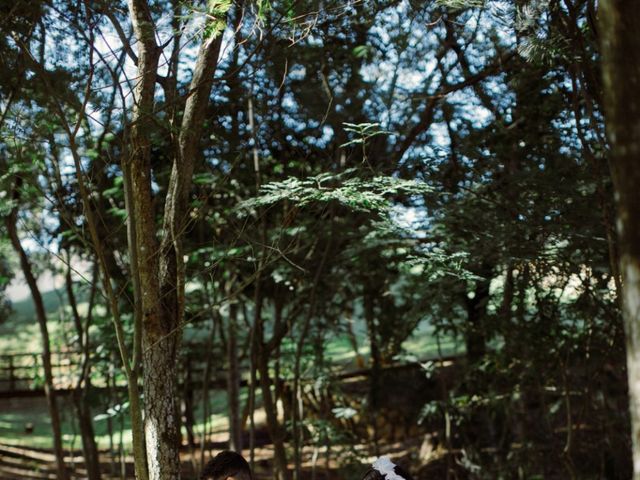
column 437, row 147
column 34, row 241
column 228, row 45
column 61, row 48
column 294, row 123
column 411, row 218
column 289, row 102
column 440, row 136
column 67, row 166
column 313, row 40
column 471, row 108
column 327, row 134
column 297, row 72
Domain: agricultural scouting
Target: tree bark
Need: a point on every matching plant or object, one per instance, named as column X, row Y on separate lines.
column 89, row 447
column 161, row 423
column 621, row 74
column 160, row 267
column 276, row 432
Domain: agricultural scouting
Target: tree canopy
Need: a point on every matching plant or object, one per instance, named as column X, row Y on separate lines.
column 255, row 183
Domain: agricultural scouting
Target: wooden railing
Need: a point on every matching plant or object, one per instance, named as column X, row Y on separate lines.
column 22, row 374
column 24, row 371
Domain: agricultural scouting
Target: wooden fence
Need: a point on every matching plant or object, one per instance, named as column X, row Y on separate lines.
column 24, row 371
column 22, row 374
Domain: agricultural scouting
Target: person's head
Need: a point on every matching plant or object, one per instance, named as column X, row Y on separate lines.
column 384, row 469
column 227, row 465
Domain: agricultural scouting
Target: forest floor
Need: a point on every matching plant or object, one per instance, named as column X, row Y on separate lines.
column 27, row 454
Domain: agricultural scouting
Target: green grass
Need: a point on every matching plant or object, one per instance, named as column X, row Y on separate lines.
column 17, row 413
column 14, row 419
column 20, row 331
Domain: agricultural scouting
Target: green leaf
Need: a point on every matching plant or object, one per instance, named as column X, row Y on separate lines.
column 362, row 51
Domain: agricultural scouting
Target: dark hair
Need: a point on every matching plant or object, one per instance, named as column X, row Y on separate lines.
column 226, row 464
column 373, row 474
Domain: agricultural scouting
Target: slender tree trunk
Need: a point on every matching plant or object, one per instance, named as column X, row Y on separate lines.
column 109, row 404
column 123, row 457
column 621, row 74
column 89, row 448
column 276, row 431
column 25, row 264
column 251, row 401
column 205, row 392
column 233, row 382
column 188, row 393
column 476, row 311
column 188, row 411
column 296, row 404
column 374, row 388
column 353, row 340
column 79, row 394
column 161, row 263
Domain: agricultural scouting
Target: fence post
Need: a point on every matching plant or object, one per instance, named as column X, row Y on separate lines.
column 36, row 369
column 12, row 379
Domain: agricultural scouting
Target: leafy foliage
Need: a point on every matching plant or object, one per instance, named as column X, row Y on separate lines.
column 365, row 195
column 371, row 176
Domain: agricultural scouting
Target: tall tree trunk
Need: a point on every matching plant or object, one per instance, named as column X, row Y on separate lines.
column 205, row 391
column 89, row 447
column 233, row 381
column 621, row 74
column 160, row 266
column 189, row 404
column 25, row 264
column 376, row 365
column 162, row 436
column 79, row 394
column 161, row 423
column 276, row 432
column 476, row 311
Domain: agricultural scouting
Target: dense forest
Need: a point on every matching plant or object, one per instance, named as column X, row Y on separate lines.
column 320, row 231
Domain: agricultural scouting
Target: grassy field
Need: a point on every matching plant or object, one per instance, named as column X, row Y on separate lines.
column 18, row 413
column 20, row 331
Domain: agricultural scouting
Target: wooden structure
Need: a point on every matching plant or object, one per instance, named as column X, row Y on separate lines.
column 21, row 374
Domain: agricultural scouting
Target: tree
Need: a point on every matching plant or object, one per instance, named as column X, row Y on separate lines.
column 17, row 187
column 157, row 264
column 397, row 173
column 621, row 77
